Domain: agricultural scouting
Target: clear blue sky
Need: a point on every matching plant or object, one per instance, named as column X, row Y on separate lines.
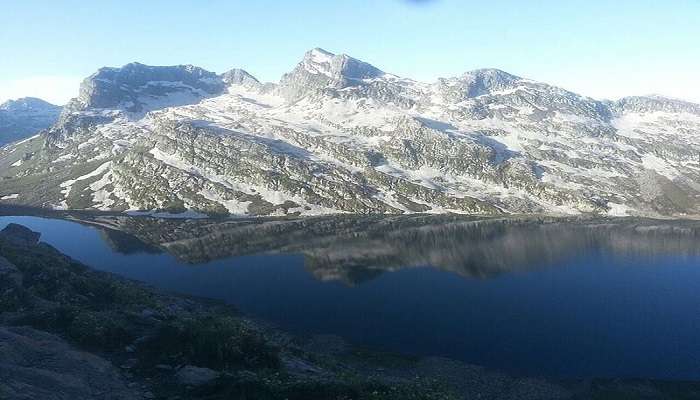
column 594, row 47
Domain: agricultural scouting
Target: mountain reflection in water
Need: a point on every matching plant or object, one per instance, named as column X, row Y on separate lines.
column 574, row 297
column 354, row 249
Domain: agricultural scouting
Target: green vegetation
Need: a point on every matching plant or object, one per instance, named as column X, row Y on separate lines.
column 212, row 341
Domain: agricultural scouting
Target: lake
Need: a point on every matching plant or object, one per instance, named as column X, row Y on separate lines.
column 549, row 298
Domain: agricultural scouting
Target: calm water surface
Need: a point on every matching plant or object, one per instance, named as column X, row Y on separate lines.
column 591, row 311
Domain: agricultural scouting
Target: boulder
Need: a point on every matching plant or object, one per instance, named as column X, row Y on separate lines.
column 38, row 365
column 195, row 376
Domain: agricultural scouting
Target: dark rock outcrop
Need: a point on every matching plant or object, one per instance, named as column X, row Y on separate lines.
column 20, row 234
column 38, row 365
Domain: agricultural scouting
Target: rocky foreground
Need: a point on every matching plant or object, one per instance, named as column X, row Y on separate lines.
column 68, row 332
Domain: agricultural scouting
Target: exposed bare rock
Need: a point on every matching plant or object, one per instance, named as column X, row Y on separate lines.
column 38, row 365
column 195, row 376
column 337, row 134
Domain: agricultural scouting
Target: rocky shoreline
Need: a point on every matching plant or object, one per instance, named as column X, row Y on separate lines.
column 69, row 332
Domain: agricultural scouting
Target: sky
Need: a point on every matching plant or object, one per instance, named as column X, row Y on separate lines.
column 598, row 48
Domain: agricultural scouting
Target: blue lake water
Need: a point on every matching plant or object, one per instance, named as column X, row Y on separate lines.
column 592, row 313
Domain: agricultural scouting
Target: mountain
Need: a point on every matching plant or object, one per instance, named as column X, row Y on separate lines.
column 337, row 134
column 24, row 117
column 136, row 87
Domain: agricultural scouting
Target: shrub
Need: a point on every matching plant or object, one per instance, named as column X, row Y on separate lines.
column 212, row 341
column 100, row 330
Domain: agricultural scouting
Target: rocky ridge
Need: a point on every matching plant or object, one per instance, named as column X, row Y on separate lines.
column 24, row 117
column 337, row 134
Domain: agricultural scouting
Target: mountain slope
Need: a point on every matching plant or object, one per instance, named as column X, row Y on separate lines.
column 339, row 135
column 24, row 117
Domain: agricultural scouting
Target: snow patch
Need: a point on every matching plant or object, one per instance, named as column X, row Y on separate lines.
column 619, row 210
column 661, row 166
column 68, row 185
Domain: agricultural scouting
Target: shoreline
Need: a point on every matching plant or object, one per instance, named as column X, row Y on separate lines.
column 327, row 361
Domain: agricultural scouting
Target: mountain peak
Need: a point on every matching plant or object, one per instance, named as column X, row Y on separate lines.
column 486, row 80
column 241, row 77
column 134, row 86
column 338, row 66
column 493, row 73
column 320, row 69
column 318, row 55
column 26, row 104
column 475, row 83
column 317, row 61
column 24, row 117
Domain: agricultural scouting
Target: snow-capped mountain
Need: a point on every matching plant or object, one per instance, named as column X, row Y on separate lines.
column 337, row 134
column 24, row 117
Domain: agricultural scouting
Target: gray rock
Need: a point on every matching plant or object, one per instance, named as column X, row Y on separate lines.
column 339, row 135
column 195, row 376
column 654, row 104
column 240, row 77
column 132, row 86
column 37, row 365
column 478, row 82
column 321, row 69
column 299, row 366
